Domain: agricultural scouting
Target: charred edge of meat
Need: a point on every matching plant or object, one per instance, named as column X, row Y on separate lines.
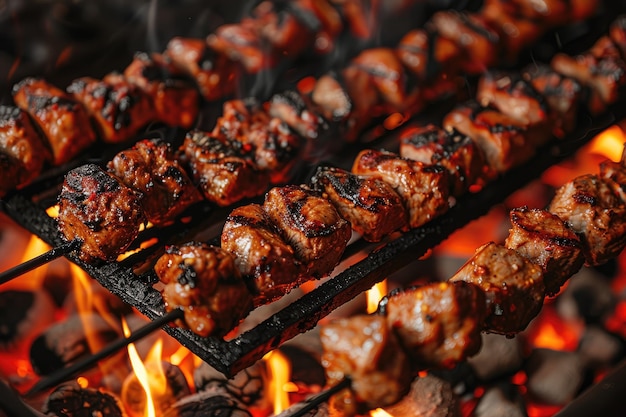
column 450, row 141
column 302, row 15
column 105, row 183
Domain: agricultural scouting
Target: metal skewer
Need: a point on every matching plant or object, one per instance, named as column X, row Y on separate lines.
column 320, row 398
column 40, row 260
column 66, row 373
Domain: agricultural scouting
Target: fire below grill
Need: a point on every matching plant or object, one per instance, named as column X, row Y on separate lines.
column 231, row 356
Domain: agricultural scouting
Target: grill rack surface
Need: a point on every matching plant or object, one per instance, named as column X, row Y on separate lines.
column 132, row 281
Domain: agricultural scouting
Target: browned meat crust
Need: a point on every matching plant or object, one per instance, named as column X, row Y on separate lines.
column 260, row 253
column 311, row 225
column 151, row 169
column 60, row 117
column 371, row 205
column 98, row 209
column 204, row 282
column 513, row 286
column 544, row 239
column 366, row 350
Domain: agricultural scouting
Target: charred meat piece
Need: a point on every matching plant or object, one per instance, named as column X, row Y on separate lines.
column 544, row 239
column 505, row 142
column 513, row 96
column 513, row 286
column 372, row 206
column 365, row 101
column 423, row 188
column 589, row 205
column 98, row 209
column 311, row 225
column 151, row 169
column 476, row 41
column 360, row 15
column 615, row 174
column 438, row 324
column 561, row 93
column 222, row 173
column 260, row 253
column 25, row 151
column 456, row 152
column 365, row 349
column 174, row 97
column 549, row 12
column 299, row 114
column 415, row 50
column 267, row 139
column 61, row 118
column 331, row 97
column 388, row 76
column 215, row 74
column 604, row 76
column 204, row 281
column 241, row 43
column 119, row 108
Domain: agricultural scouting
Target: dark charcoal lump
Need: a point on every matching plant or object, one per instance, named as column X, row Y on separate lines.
column 14, row 306
column 73, row 401
column 207, row 404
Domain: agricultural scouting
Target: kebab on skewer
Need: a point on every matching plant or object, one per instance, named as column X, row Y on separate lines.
column 379, row 81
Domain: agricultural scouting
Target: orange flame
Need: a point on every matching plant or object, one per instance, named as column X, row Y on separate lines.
column 375, row 294
column 609, row 143
column 279, row 372
column 379, row 412
column 142, row 374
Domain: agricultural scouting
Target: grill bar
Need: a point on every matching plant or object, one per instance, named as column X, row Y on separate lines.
column 228, row 357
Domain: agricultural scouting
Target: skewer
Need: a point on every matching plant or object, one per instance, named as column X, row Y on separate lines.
column 81, row 365
column 40, row 260
column 320, row 398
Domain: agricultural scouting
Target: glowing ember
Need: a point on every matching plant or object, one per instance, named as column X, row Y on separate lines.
column 279, row 371
column 552, row 332
column 379, row 412
column 374, row 295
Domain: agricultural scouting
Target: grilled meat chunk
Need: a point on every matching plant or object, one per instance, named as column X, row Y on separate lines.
column 615, row 174
column 513, row 286
column 299, row 114
column 423, row 188
column 151, row 169
column 267, row 139
column 372, row 206
column 595, row 212
column 416, row 52
column 61, row 118
column 604, row 76
column 438, row 324
column 514, row 96
column 365, row 349
column 25, row 151
column 311, row 225
column 456, row 152
column 242, row 44
column 222, row 173
column 544, row 239
column 505, row 142
column 174, row 97
column 118, row 108
column 98, row 209
column 260, row 253
column 215, row 74
column 562, row 95
column 204, row 281
column 330, row 96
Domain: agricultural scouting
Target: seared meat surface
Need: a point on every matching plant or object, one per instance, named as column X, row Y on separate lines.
column 456, row 152
column 174, row 97
column 221, row 172
column 365, row 349
column 204, row 281
column 299, row 114
column 372, row 206
column 267, row 140
column 544, row 239
column 595, row 212
column 311, row 225
column 505, row 142
column 61, row 118
column 98, row 209
column 615, row 174
column 438, row 324
column 118, row 108
column 513, row 286
column 25, row 151
column 215, row 74
column 423, row 188
column 260, row 253
column 151, row 169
